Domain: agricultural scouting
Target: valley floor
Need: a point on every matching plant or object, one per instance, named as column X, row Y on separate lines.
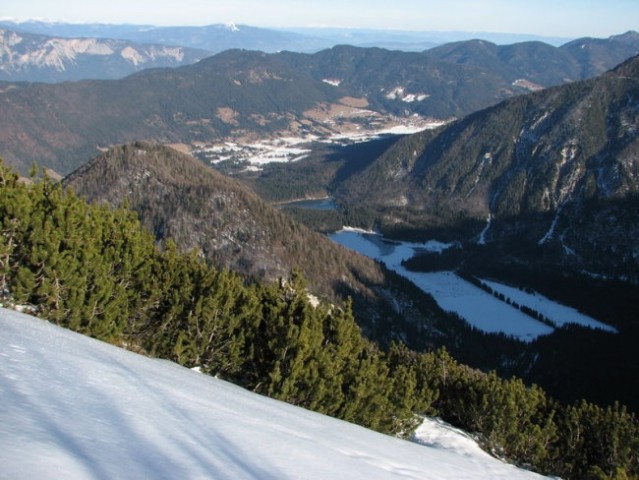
column 454, row 294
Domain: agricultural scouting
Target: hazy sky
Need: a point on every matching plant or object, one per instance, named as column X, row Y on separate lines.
column 564, row 18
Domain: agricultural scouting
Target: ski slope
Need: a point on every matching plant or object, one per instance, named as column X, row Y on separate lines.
column 75, row 408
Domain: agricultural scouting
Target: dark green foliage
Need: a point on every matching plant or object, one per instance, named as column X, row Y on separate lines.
column 93, row 269
column 521, row 423
column 78, row 264
column 599, row 443
column 324, row 221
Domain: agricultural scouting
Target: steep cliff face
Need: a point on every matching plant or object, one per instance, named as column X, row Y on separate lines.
column 28, row 57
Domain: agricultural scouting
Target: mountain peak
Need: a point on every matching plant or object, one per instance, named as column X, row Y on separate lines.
column 631, row 36
column 232, row 27
column 178, row 197
column 42, row 58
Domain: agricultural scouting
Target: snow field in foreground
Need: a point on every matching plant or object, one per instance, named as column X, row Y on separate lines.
column 76, row 408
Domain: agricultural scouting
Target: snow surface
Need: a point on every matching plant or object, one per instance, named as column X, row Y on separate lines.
column 559, row 314
column 292, row 149
column 332, row 81
column 401, row 94
column 454, row 294
column 482, row 235
column 75, row 408
column 477, row 307
column 551, row 230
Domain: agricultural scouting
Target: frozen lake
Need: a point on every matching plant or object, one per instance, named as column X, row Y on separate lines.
column 454, row 294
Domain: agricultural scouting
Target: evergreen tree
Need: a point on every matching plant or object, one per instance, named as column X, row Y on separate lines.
column 410, row 391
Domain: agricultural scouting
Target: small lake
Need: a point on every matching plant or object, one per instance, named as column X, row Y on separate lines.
column 313, row 204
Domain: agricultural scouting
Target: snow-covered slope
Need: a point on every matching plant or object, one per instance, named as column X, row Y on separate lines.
column 76, row 408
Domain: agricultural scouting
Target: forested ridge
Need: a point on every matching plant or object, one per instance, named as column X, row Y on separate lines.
column 93, row 269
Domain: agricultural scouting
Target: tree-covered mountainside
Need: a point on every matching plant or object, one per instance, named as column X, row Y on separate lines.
column 242, row 95
column 587, row 258
column 233, row 93
column 541, row 64
column 92, row 268
column 556, row 168
column 179, row 198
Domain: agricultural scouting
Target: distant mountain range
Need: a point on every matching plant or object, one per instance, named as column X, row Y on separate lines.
column 537, row 64
column 241, row 95
column 53, row 52
column 219, row 37
column 213, row 38
column 38, row 58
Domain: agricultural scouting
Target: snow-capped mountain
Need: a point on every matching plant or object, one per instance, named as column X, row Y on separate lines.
column 76, row 408
column 41, row 58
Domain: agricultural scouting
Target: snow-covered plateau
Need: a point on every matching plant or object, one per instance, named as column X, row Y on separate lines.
column 454, row 294
column 76, row 408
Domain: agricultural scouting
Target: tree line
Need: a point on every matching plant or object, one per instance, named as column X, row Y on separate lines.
column 93, row 269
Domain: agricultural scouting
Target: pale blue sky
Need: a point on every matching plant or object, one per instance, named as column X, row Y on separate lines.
column 571, row 18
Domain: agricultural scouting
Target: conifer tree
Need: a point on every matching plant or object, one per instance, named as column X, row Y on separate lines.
column 410, row 391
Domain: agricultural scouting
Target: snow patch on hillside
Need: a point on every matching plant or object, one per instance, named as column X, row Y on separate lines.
column 482, row 235
column 486, row 158
column 332, row 81
column 258, row 153
column 548, row 236
column 527, row 84
column 292, row 148
column 78, row 409
column 400, row 93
